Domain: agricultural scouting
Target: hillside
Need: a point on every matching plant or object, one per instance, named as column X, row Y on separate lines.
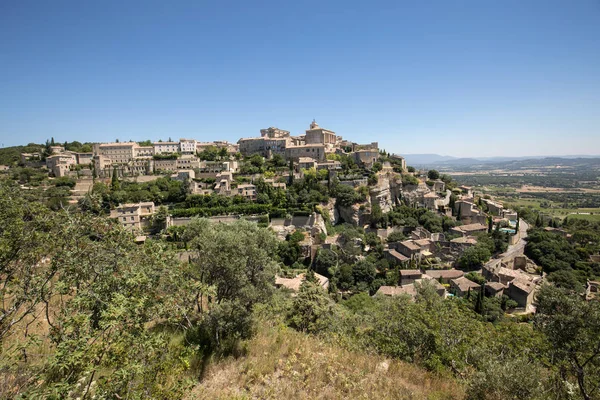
column 11, row 155
column 282, row 363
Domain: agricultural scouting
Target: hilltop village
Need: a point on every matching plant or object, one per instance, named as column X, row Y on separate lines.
column 171, row 254
column 350, row 216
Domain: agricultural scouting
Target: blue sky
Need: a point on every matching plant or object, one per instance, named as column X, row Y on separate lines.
column 463, row 78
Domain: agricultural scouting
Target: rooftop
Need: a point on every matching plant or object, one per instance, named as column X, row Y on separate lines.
column 410, row 272
column 465, row 284
column 524, row 286
column 471, row 227
column 398, row 256
column 398, row 290
column 410, row 244
column 445, row 273
column 497, row 286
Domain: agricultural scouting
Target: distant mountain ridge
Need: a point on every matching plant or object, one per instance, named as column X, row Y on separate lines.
column 437, row 159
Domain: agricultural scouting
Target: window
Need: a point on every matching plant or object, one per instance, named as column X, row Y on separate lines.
column 132, row 218
column 124, row 218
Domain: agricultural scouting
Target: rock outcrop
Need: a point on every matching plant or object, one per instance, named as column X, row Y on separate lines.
column 354, row 214
column 382, row 194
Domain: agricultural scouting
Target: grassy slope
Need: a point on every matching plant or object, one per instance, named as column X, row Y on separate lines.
column 285, row 364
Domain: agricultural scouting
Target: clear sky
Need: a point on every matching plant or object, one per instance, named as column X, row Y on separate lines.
column 463, row 78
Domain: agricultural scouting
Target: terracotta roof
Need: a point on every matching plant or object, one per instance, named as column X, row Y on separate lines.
column 445, row 273
column 410, row 244
column 465, row 240
column 395, row 254
column 514, row 273
column 471, row 227
column 398, row 290
column 410, row 272
column 497, row 286
column 465, row 284
column 525, row 286
column 423, row 242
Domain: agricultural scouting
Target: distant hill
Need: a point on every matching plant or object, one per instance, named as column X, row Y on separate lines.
column 425, row 159
column 433, row 160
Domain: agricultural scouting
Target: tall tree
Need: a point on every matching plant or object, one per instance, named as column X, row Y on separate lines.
column 114, row 183
column 572, row 325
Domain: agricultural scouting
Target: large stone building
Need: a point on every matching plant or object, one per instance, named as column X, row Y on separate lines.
column 314, row 151
column 250, row 146
column 117, row 153
column 317, row 135
column 165, row 147
column 367, row 157
column 187, row 146
column 61, row 163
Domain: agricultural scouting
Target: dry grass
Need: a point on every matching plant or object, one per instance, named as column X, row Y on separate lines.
column 282, row 363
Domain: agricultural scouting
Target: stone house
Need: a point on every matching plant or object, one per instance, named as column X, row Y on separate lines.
column 366, row 157
column 305, row 163
column 494, row 208
column 408, row 276
column 522, row 292
column 410, row 289
column 134, row 216
column 438, row 186
column 466, row 209
column 444, row 275
column 469, row 229
column 407, row 248
column 394, row 257
column 315, row 151
column 494, row 289
column 247, row 190
column 462, row 286
column 592, row 290
column 61, row 163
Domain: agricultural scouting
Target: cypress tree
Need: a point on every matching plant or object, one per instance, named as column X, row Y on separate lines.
column 115, row 185
column 538, row 222
column 479, row 302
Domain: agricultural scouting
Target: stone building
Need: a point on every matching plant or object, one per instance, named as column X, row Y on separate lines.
column 134, row 216
column 366, row 157
column 61, row 163
column 314, row 151
column 188, row 146
column 462, row 286
column 317, row 135
column 117, row 153
column 165, row 147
